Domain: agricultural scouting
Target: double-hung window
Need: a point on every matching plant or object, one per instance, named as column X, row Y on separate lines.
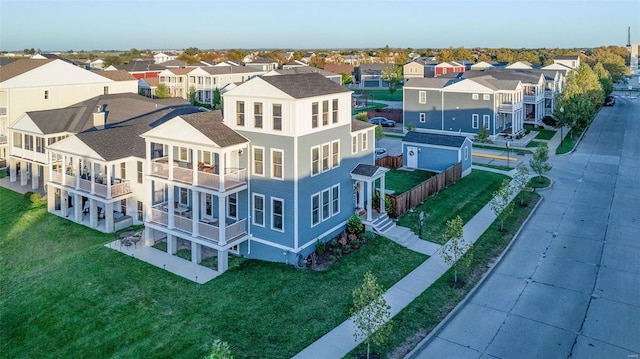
column 258, row 161
column 325, row 112
column 326, row 205
column 276, row 164
column 335, row 110
column 277, row 214
column 354, row 144
column 315, row 209
column 258, row 209
column 326, row 165
column 486, row 121
column 277, row 117
column 315, row 160
column 314, row 115
column 335, row 154
column 257, row 115
column 474, row 120
column 240, row 113
column 422, row 97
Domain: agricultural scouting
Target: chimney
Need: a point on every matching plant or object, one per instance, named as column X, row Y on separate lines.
column 99, row 118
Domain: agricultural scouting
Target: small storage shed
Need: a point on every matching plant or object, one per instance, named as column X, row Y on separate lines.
column 436, row 152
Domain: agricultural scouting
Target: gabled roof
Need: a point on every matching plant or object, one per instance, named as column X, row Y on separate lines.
column 365, row 170
column 262, row 60
column 304, row 85
column 210, row 124
column 55, row 121
column 357, row 125
column 222, row 70
column 6, row 60
column 20, row 67
column 435, row 139
column 373, row 69
column 117, row 75
column 430, row 82
column 570, row 57
column 302, row 70
column 339, row 68
column 140, row 66
column 151, row 81
column 523, row 75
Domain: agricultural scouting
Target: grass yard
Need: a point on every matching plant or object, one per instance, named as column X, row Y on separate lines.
column 401, row 181
column 501, row 148
column 383, row 94
column 533, row 144
column 568, row 143
column 419, row 318
column 497, row 167
column 65, row 295
column 376, row 105
column 464, row 198
column 544, row 134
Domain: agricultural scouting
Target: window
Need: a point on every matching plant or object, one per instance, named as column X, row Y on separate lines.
column 422, row 97
column 276, row 163
column 123, row 207
column 354, row 144
column 277, row 214
column 240, row 113
column 335, row 110
column 158, row 192
column 28, row 142
column 423, row 117
column 314, row 115
column 40, row 144
column 46, row 94
column 474, row 120
column 335, row 200
column 325, row 157
column 277, row 117
column 466, row 153
column 123, row 170
column 139, row 170
column 183, row 197
column 258, row 161
column 106, row 90
column 335, row 154
column 315, row 209
column 232, row 206
column 140, row 211
column 258, row 210
column 486, row 119
column 315, row 160
column 365, row 145
column 257, row 115
column 326, row 209
column 183, row 154
column 474, row 96
column 325, row 113
column 486, row 97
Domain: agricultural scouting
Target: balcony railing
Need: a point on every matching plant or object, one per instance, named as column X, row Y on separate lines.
column 548, row 94
column 100, row 189
column 204, row 177
column 548, row 112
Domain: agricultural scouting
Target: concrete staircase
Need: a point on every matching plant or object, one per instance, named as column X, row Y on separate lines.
column 406, row 238
column 382, row 224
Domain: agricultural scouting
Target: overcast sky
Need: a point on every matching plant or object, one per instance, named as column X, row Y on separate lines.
column 162, row 24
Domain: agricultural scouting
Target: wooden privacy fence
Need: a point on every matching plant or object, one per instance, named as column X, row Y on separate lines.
column 404, row 202
column 390, row 161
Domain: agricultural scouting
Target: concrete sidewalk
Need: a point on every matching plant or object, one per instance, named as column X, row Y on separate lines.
column 340, row 341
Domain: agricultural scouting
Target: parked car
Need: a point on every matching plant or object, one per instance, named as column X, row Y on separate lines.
column 383, row 121
column 381, row 152
column 610, row 101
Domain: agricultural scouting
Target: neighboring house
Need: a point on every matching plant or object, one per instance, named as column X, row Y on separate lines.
column 32, row 85
column 370, row 75
column 182, row 64
column 339, row 69
column 463, row 105
column 413, row 69
column 262, row 64
column 572, row 62
column 139, row 68
column 147, row 86
column 448, row 68
column 96, row 64
column 306, row 58
column 523, row 65
column 337, row 78
column 120, row 76
column 164, row 57
column 436, row 151
column 228, row 63
column 292, row 64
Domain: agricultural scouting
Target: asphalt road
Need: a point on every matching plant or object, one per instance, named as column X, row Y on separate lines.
column 569, row 287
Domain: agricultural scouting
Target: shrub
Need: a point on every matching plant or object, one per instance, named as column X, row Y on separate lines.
column 320, row 247
column 354, row 225
column 331, row 259
column 368, row 237
column 35, row 197
column 337, row 251
column 27, row 195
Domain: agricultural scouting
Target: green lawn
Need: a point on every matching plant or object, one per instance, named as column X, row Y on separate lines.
column 464, row 198
column 497, row 167
column 419, row 318
column 501, row 148
column 375, row 105
column 383, row 94
column 533, row 144
column 545, row 134
column 401, row 181
column 568, row 143
column 65, row 295
column 539, row 182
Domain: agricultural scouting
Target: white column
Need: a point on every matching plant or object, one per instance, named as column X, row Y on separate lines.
column 35, row 176
column 369, row 196
column 195, row 212
column 63, row 169
column 93, row 213
column 194, row 167
column 383, row 196
column 23, row 173
column 51, row 202
column 77, row 206
column 92, row 171
column 108, row 217
column 170, row 205
column 172, row 244
column 64, row 203
column 222, row 220
column 221, row 169
column 196, row 252
column 78, row 170
column 13, row 171
column 170, row 162
column 108, row 174
column 223, row 261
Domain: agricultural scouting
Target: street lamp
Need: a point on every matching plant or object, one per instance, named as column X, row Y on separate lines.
column 561, row 125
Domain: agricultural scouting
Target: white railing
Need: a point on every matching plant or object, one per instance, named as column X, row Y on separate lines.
column 529, row 98
column 85, row 185
column 235, row 229
column 505, row 107
column 548, row 94
column 56, row 177
column 209, row 180
column 120, row 189
column 183, row 223
column 101, row 190
column 208, row 231
column 160, row 170
column 182, row 174
column 159, row 216
column 235, row 177
column 70, row 180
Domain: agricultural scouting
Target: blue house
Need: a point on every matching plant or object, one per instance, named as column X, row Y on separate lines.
column 436, row 152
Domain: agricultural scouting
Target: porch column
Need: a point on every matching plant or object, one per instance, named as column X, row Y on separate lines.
column 64, row 203
column 383, row 196
column 46, row 176
column 51, row 202
column 78, row 171
column 23, row 173
column 13, row 171
column 35, row 176
column 195, row 213
column 92, row 172
column 170, row 162
column 223, row 260
column 63, row 169
column 222, row 220
column 108, row 217
column 108, row 171
column 194, row 166
column 93, row 213
column 196, row 252
column 360, row 194
column 370, row 196
column 172, row 244
column 148, row 238
column 221, row 169
column 77, row 206
column 170, row 206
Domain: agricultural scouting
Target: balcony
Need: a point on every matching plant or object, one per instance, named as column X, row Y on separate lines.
column 204, row 177
column 208, row 229
column 119, row 188
column 548, row 94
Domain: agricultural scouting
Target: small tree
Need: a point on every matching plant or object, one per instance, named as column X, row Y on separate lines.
column 362, row 116
column 521, row 178
column 455, row 247
column 162, row 91
column 216, row 98
column 192, row 95
column 482, row 135
column 220, row 350
column 501, row 203
column 379, row 133
column 393, row 76
column 539, row 161
column 370, row 312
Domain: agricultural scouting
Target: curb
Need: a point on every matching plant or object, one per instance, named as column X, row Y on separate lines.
column 454, row 312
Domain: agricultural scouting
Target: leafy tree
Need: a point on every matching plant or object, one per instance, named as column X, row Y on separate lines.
column 463, row 54
column 220, row 350
column 216, row 97
column 379, row 132
column 346, row 78
column 402, row 58
column 393, row 76
column 455, row 247
column 501, row 203
column 191, row 51
column 112, row 60
column 192, row 95
column 235, row 55
column 612, row 60
column 317, row 61
column 134, row 52
column 604, row 77
column 162, row 91
column 482, row 135
column 371, row 313
column 189, row 59
column 362, row 116
column 445, row 55
column 484, row 57
column 505, row 55
column 521, row 179
column 539, row 160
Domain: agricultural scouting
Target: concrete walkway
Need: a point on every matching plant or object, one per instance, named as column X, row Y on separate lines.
column 338, row 342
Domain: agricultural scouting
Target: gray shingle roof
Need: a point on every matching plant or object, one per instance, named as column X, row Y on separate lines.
column 221, row 70
column 116, row 75
column 304, row 85
column 431, row 82
column 210, row 124
column 365, row 170
column 306, row 70
column 20, row 67
column 373, row 69
column 357, row 125
column 436, row 139
column 139, row 66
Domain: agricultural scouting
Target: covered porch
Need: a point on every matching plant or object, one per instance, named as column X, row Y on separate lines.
column 374, row 215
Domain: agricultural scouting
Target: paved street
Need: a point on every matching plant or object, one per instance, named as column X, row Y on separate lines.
column 570, row 284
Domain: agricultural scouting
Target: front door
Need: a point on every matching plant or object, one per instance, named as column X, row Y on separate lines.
column 412, row 157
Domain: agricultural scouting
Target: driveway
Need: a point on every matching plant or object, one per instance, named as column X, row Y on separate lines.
column 570, row 284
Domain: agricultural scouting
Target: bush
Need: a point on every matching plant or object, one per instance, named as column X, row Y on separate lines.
column 27, row 195
column 331, row 259
column 549, row 121
column 35, row 197
column 368, row 237
column 354, row 225
column 320, row 247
